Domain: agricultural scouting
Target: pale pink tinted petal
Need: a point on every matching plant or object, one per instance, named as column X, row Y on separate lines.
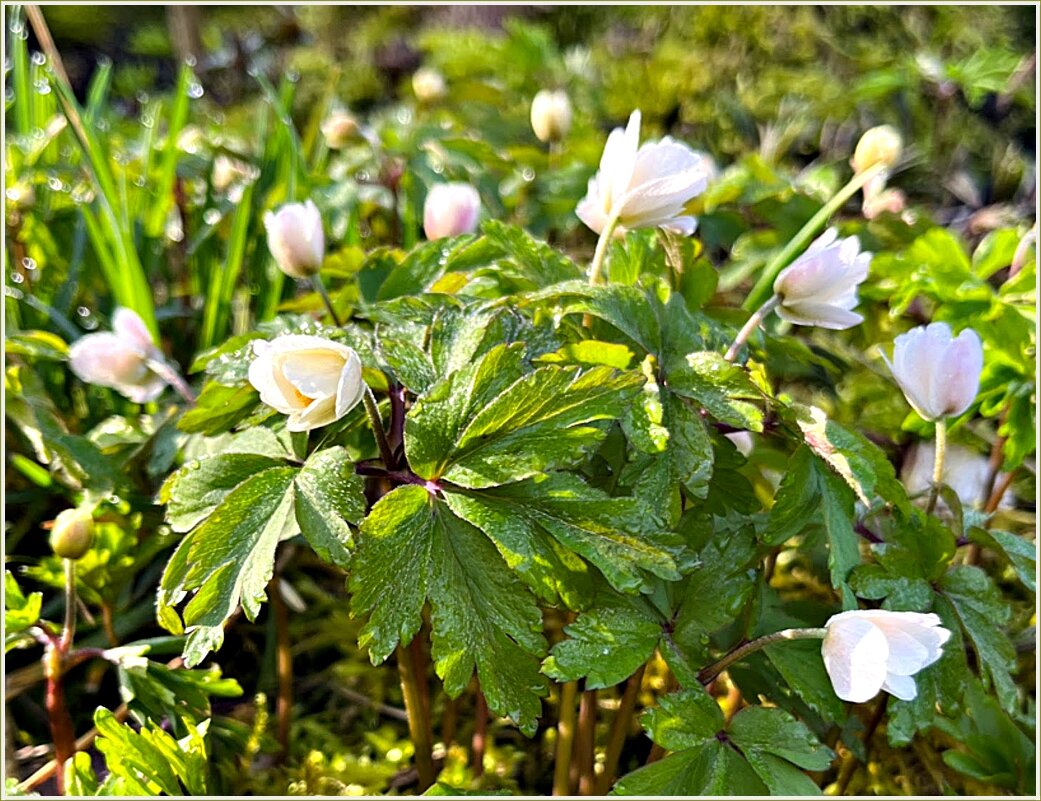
column 127, row 324
column 682, row 226
column 822, row 315
column 144, row 393
column 107, row 360
column 962, row 367
column 617, row 165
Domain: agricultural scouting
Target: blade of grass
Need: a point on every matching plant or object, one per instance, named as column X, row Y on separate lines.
column 20, row 78
column 134, row 291
column 168, row 166
column 217, row 311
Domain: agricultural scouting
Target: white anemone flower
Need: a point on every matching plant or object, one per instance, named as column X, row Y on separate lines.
column 870, row 650
column 938, row 372
column 315, row 381
column 820, row 287
column 643, row 186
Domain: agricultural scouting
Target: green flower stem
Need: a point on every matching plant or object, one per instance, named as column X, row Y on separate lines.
column 172, row 377
column 319, row 286
column 750, row 325
column 376, row 423
column 418, row 726
column 798, row 243
column 941, row 454
column 565, row 739
column 597, row 265
column 709, row 673
column 619, row 730
column 69, row 629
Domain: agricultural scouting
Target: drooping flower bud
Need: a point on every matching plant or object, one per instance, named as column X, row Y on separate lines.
column 73, row 533
column 450, row 210
column 120, row 359
column 551, row 115
column 428, row 85
column 820, row 287
column 295, row 238
column 879, row 145
column 315, row 381
column 874, row 649
column 339, row 128
column 939, row 373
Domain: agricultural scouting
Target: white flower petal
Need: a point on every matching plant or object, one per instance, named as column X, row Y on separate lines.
column 821, row 315
column 350, row 387
column 127, row 324
column 855, row 653
column 903, row 687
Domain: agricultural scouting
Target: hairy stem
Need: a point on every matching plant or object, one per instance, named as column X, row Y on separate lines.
column 941, row 453
column 565, row 739
column 418, row 727
column 751, row 325
column 739, row 653
column 319, row 286
column 798, row 243
column 620, row 729
column 376, row 422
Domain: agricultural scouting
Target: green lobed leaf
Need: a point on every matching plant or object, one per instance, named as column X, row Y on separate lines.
column 620, row 536
column 219, row 408
column 411, row 549
column 860, row 462
column 195, row 490
column 721, row 388
column 774, row 731
column 491, row 424
column 711, row 769
column 983, row 611
column 227, row 560
column 1021, row 553
column 329, row 495
column 606, row 644
column 684, row 719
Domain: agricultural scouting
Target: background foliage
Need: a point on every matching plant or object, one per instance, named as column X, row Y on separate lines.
column 638, row 550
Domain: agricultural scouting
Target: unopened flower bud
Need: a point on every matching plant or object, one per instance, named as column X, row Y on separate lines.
column 938, row 372
column 295, row 238
column 450, row 210
column 551, row 115
column 338, row 129
column 428, row 85
column 73, row 533
column 880, row 145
